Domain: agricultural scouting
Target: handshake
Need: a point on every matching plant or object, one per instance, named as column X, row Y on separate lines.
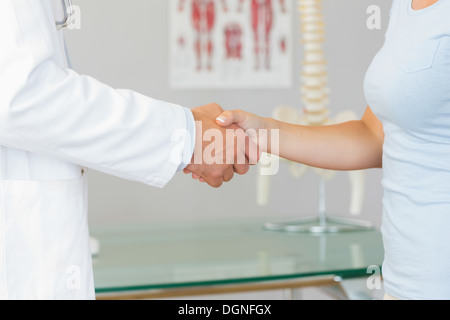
column 222, row 147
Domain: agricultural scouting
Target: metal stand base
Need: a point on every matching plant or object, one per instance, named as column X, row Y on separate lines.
column 319, row 225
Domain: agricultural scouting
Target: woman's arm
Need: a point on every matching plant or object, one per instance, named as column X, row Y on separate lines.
column 353, row 145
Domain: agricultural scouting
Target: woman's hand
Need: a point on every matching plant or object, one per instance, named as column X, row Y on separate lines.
column 257, row 128
column 245, row 120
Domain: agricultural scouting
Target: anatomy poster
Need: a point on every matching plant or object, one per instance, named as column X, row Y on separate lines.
column 230, row 44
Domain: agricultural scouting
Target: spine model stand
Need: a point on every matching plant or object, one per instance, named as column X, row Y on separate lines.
column 315, row 100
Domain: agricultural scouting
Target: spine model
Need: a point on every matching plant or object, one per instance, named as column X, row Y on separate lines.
column 314, row 79
column 315, row 98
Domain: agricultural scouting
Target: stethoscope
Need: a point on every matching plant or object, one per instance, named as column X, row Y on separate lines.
column 68, row 14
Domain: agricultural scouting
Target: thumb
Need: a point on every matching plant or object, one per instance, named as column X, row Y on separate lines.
column 229, row 117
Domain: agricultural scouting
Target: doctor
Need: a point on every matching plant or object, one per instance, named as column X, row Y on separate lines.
column 54, row 124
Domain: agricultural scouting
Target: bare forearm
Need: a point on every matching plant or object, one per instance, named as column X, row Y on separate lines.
column 354, row 145
column 347, row 146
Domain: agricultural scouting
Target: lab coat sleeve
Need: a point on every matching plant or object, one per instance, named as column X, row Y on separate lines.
column 53, row 111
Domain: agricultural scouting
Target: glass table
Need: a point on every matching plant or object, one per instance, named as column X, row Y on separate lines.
column 173, row 260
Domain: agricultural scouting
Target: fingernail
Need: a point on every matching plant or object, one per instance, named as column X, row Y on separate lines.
column 222, row 119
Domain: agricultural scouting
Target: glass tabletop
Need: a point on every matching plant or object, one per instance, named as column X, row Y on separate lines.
column 146, row 257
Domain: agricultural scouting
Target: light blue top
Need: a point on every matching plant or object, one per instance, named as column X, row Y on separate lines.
column 408, row 88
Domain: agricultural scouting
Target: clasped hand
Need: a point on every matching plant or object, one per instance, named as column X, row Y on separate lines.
column 220, row 152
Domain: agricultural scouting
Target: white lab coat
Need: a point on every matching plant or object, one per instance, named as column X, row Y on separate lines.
column 54, row 123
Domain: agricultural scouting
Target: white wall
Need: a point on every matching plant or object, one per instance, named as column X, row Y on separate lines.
column 124, row 44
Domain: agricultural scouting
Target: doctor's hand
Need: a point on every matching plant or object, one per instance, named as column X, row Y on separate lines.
column 219, row 152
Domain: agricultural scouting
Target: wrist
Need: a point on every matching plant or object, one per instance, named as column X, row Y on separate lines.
column 271, row 143
column 269, row 124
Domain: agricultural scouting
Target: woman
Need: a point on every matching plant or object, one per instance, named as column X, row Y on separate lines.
column 406, row 131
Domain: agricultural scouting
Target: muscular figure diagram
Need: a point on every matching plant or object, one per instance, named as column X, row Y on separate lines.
column 203, row 21
column 233, row 41
column 262, row 24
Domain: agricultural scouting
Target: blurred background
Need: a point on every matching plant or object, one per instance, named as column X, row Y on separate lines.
column 125, row 44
